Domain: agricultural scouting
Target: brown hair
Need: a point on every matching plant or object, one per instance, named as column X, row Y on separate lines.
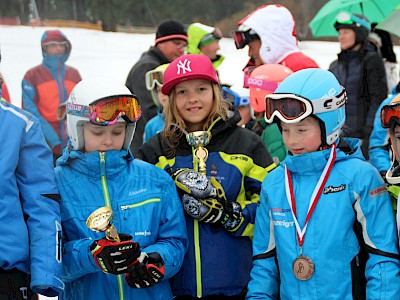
column 175, row 126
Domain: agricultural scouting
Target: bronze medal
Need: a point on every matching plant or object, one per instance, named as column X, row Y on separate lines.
column 303, row 267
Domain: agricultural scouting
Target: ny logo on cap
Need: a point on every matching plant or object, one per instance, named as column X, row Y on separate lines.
column 184, row 66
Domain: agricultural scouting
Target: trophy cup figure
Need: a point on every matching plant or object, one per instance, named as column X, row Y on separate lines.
column 199, row 139
column 101, row 221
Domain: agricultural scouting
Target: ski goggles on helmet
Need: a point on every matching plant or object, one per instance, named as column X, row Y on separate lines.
column 107, row 111
column 62, row 111
column 234, row 97
column 292, row 108
column 346, row 18
column 153, row 78
column 242, row 38
column 390, row 115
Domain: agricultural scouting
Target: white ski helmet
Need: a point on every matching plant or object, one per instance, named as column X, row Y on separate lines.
column 86, row 93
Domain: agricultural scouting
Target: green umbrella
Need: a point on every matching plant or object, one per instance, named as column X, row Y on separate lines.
column 392, row 22
column 374, row 10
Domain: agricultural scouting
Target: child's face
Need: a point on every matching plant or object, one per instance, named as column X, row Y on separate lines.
column 103, row 138
column 302, row 137
column 161, row 97
column 194, row 102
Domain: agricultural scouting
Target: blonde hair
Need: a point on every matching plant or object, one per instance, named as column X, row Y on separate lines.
column 175, row 126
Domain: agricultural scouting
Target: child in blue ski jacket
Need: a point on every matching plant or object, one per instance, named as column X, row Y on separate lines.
column 154, row 82
column 379, row 148
column 324, row 208
column 30, row 223
column 390, row 120
column 97, row 170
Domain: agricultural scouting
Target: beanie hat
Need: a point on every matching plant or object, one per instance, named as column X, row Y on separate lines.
column 188, row 67
column 54, row 36
column 169, row 30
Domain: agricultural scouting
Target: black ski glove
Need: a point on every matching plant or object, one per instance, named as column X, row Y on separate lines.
column 147, row 272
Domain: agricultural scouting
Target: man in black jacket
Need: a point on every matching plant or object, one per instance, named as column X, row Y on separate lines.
column 170, row 43
column 359, row 68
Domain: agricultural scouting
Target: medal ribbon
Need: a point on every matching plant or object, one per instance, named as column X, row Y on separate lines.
column 314, row 198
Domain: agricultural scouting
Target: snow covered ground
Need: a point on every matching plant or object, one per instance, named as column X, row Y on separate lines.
column 96, row 53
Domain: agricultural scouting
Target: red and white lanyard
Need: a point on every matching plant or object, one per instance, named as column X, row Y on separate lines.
column 314, row 198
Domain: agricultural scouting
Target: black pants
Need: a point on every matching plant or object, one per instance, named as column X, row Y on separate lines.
column 14, row 285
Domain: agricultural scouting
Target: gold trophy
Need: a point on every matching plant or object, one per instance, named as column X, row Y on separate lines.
column 199, row 139
column 101, row 221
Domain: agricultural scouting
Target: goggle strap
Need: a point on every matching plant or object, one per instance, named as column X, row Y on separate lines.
column 261, row 84
column 328, row 104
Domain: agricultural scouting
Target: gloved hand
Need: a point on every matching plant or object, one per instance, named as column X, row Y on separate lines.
column 192, row 183
column 148, row 271
column 115, row 257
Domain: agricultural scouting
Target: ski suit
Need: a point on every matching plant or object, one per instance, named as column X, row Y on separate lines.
column 354, row 193
column 44, row 88
column 145, row 205
column 30, row 222
column 218, row 262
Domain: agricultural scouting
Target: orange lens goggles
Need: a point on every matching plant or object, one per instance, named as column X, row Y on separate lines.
column 390, row 115
column 107, row 111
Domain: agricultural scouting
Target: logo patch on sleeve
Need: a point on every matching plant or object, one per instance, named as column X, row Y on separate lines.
column 334, row 189
column 378, row 191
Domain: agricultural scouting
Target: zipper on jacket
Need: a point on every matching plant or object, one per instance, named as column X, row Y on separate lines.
column 130, row 206
column 197, row 254
column 106, row 196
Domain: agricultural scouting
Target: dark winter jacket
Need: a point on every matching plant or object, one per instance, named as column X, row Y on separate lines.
column 239, row 160
column 136, row 83
column 363, row 75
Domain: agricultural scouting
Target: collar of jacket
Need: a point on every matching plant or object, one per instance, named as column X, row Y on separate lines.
column 88, row 163
column 154, row 51
column 309, row 163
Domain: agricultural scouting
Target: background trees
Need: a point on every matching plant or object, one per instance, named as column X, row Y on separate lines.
column 222, row 13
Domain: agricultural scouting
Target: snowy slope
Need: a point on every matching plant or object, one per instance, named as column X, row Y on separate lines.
column 96, row 53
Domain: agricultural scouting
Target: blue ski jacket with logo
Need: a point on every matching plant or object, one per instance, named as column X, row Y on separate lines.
column 146, row 205
column 30, row 223
column 353, row 194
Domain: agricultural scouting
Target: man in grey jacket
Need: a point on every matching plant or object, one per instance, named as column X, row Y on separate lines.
column 170, row 43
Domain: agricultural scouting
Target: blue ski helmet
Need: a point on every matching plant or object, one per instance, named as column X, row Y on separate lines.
column 322, row 88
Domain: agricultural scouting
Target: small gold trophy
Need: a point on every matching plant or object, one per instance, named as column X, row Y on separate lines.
column 199, row 139
column 101, row 221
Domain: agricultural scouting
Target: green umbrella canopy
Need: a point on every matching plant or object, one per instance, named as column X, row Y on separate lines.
column 375, row 10
column 392, row 22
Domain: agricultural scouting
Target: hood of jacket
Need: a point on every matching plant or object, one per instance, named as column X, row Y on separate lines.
column 276, row 28
column 196, row 32
column 52, row 61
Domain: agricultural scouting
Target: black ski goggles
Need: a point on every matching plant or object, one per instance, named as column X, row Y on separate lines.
column 242, row 38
